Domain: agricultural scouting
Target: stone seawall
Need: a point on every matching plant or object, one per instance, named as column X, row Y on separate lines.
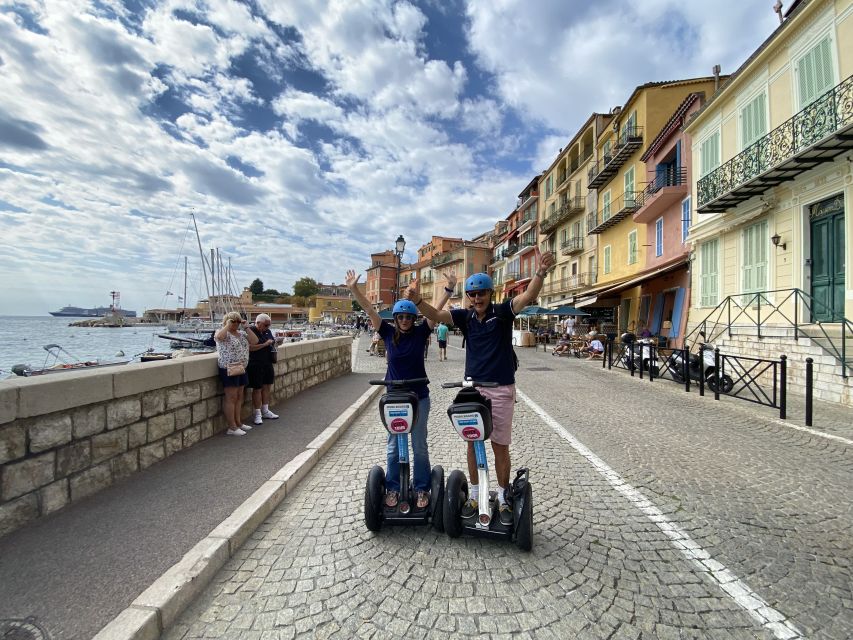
column 68, row 435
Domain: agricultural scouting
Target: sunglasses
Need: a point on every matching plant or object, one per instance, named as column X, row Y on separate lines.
column 406, row 316
column 477, row 294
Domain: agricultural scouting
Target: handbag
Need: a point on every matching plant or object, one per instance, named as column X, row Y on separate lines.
column 273, row 354
column 235, row 369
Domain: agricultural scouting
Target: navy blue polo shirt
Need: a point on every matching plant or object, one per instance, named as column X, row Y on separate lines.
column 406, row 359
column 488, row 344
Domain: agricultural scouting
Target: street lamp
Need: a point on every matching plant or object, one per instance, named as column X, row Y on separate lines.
column 399, row 248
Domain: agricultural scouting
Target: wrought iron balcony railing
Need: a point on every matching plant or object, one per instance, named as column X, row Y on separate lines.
column 572, row 245
column 620, row 208
column 630, row 139
column 815, row 135
column 569, row 207
column 668, row 187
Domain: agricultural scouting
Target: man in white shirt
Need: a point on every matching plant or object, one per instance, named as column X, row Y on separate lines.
column 569, row 325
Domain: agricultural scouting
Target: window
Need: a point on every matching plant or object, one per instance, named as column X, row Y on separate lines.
column 659, row 237
column 709, row 273
column 549, row 185
column 685, row 219
column 814, row 72
column 753, row 120
column 755, row 240
column 629, row 129
column 608, row 151
column 605, row 206
column 632, row 247
column 607, row 259
column 709, row 152
column 629, row 187
column 564, row 236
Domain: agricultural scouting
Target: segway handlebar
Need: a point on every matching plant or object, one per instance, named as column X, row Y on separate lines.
column 468, row 383
column 401, row 383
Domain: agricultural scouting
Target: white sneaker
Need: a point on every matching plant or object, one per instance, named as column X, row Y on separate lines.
column 269, row 415
column 245, row 427
column 236, row 431
column 258, row 419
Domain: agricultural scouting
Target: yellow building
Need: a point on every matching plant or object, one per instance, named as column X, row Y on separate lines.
column 619, row 176
column 565, row 204
column 332, row 304
column 773, row 228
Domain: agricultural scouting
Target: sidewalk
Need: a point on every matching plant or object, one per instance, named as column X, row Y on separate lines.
column 75, row 570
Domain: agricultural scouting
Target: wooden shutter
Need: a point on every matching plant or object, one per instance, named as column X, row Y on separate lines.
column 607, row 259
column 814, row 72
column 605, row 208
column 632, row 247
column 753, row 119
column 755, row 258
column 708, row 274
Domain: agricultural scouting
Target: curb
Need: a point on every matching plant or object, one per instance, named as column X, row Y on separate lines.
column 156, row 608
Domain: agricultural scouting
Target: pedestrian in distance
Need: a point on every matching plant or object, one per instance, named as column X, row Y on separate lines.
column 405, row 342
column 260, row 370
column 232, row 347
column 441, row 332
column 489, row 357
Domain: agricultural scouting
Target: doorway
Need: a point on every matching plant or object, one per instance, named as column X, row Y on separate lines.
column 826, row 220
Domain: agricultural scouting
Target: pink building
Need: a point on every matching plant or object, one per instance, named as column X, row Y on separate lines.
column 666, row 211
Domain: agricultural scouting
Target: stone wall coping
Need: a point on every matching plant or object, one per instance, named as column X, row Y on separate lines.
column 27, row 397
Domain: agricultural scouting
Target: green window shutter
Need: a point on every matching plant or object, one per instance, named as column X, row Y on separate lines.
column 814, row 72
column 632, row 247
column 710, row 154
column 607, row 259
column 605, row 209
column 755, row 258
column 754, row 120
column 629, row 185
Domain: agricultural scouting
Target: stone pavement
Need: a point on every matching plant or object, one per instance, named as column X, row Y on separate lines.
column 658, row 514
column 76, row 569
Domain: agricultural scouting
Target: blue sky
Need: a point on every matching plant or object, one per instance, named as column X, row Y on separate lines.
column 303, row 134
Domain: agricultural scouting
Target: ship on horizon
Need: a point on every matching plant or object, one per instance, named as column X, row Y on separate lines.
column 96, row 312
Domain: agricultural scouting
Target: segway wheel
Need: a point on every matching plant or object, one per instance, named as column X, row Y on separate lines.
column 524, row 528
column 374, row 494
column 455, row 495
column 436, row 505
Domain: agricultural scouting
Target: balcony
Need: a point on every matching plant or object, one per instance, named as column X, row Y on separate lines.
column 630, row 139
column 667, row 189
column 620, row 208
column 563, row 213
column 444, row 258
column 426, row 278
column 817, row 134
column 582, row 280
column 511, row 275
column 572, row 245
column 562, row 181
column 510, row 250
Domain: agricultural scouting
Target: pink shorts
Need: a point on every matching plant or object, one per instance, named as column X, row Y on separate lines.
column 503, row 406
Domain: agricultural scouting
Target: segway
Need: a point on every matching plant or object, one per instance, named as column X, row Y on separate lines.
column 398, row 408
column 471, row 415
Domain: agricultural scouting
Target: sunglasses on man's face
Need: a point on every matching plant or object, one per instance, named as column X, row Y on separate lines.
column 477, row 294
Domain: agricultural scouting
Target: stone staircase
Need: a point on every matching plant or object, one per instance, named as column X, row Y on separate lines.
column 814, row 342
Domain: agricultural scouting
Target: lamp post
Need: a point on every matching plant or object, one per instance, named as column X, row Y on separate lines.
column 399, row 248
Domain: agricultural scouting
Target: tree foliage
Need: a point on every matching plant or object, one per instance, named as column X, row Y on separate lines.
column 305, row 287
column 272, row 292
column 257, row 286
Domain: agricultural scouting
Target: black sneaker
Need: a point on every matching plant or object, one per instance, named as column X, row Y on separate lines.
column 470, row 509
column 505, row 515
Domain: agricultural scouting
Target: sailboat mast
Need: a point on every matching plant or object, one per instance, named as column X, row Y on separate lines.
column 184, row 311
column 203, row 269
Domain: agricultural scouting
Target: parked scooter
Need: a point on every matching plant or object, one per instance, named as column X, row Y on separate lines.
column 638, row 350
column 699, row 364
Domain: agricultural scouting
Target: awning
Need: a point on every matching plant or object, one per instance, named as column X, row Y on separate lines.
column 640, row 279
column 597, row 301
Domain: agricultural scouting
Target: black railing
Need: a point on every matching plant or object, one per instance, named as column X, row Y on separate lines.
column 756, row 310
column 826, row 115
column 572, row 244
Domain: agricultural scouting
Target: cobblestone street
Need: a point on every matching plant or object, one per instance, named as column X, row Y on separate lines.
column 658, row 514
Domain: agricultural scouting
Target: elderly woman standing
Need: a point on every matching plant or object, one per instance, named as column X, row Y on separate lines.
column 262, row 351
column 232, row 345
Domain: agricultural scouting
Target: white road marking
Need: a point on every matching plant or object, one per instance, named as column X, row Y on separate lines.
column 734, row 587
column 813, row 432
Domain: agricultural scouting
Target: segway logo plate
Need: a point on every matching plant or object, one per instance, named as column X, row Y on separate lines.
column 469, row 426
column 398, row 418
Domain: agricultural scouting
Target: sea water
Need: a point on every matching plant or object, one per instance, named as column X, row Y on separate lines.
column 22, row 341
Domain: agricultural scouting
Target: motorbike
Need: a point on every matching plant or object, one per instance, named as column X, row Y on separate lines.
column 700, row 364
column 638, row 350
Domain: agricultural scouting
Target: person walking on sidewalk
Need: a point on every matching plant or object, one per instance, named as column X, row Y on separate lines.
column 262, row 355
column 405, row 342
column 489, row 357
column 441, row 332
column 232, row 347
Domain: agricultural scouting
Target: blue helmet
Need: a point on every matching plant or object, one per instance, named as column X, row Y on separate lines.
column 404, row 306
column 479, row 282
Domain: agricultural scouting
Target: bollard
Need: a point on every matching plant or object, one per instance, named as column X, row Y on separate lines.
column 809, row 390
column 642, row 360
column 783, row 386
column 631, row 359
column 701, row 373
column 717, row 373
column 609, row 354
column 685, row 367
column 653, row 360
column 604, row 355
